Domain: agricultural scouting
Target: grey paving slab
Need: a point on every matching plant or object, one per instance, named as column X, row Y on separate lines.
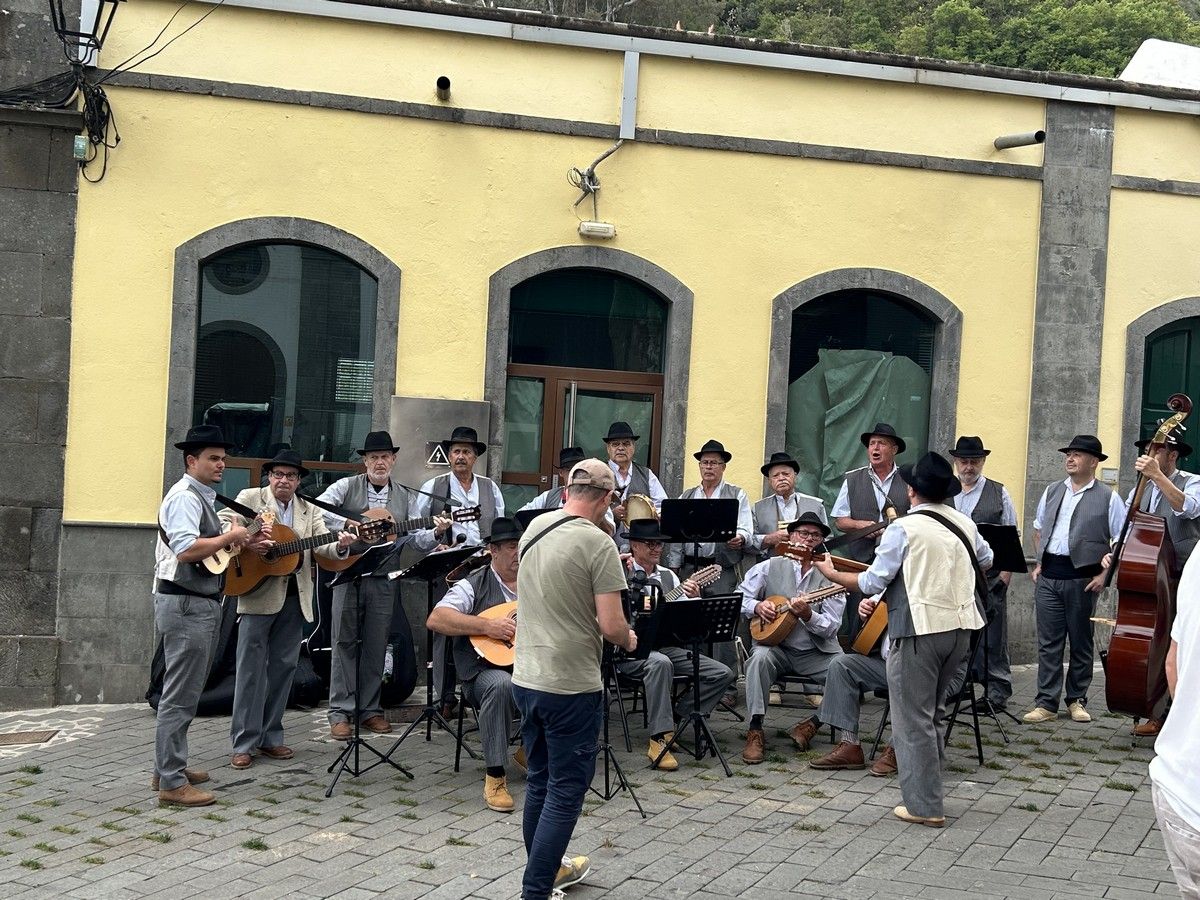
column 1061, row 810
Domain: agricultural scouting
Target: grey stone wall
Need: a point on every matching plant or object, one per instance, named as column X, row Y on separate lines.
column 29, row 48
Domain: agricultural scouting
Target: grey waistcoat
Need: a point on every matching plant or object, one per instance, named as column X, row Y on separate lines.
column 781, row 581
column 1184, row 532
column 989, row 510
column 864, row 504
column 1089, row 535
column 639, row 481
column 724, row 555
column 356, row 498
column 467, row 662
column 487, row 502
column 766, row 512
column 193, row 577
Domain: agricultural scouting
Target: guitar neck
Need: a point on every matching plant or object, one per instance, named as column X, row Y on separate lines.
column 301, row 544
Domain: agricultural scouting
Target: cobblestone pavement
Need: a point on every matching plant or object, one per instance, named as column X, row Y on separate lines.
column 1062, row 810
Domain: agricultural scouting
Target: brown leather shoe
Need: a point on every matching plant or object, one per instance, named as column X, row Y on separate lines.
column 804, row 732
column 377, row 724
column 186, row 796
column 496, row 795
column 241, row 761
column 194, row 776
column 280, row 752
column 340, row 731
column 756, row 743
column 885, row 764
column 1149, row 728
column 844, row 756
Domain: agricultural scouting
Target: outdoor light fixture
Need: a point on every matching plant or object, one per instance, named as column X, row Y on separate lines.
column 1026, row 139
column 95, row 21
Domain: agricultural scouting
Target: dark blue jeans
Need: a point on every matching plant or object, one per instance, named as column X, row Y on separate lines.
column 561, row 735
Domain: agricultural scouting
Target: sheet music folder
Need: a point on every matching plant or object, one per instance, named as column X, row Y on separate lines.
column 1007, row 553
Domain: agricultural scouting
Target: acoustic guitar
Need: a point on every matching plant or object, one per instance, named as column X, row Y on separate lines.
column 872, row 630
column 383, row 525
column 249, row 571
column 219, row 561
column 502, row 653
column 775, row 632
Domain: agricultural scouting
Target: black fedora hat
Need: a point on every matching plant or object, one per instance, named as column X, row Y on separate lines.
column 376, row 441
column 969, row 446
column 568, row 456
column 287, row 457
column 1175, row 441
column 883, row 429
column 1086, row 443
column 644, row 530
column 504, row 529
column 619, row 431
column 809, row 518
column 714, row 447
column 932, row 477
column 779, row 459
column 464, row 434
column 201, row 436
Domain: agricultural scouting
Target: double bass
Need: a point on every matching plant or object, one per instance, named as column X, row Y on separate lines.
column 1145, row 567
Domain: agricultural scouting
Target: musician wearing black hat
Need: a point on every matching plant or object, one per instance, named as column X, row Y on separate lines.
column 784, row 504
column 1077, row 520
column 987, row 502
column 378, row 596
column 928, row 562
column 812, row 642
column 687, row 558
column 272, row 616
column 488, row 687
column 556, row 497
column 659, row 668
column 1172, row 493
column 867, row 492
column 187, row 606
column 632, row 478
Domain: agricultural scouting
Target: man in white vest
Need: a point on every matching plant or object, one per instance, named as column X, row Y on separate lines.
column 928, row 561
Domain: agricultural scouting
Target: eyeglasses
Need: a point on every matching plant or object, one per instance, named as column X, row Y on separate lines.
column 710, row 463
column 811, row 535
column 285, row 476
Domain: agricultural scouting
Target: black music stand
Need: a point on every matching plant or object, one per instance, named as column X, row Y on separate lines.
column 430, row 569
column 694, row 622
column 1007, row 556
column 369, row 564
column 612, row 788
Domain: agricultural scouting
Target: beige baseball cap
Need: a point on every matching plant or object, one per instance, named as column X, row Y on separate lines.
column 593, row 472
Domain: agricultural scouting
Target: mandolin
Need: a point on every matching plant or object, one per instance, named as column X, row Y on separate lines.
column 498, row 653
column 775, row 632
column 219, row 561
column 383, row 525
column 872, row 631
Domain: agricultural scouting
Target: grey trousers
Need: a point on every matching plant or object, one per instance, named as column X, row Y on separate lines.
column 1064, row 612
column 999, row 674
column 378, row 598
column 1182, row 843
column 491, row 693
column 267, row 651
column 657, row 671
column 849, row 676
column 919, row 672
column 766, row 664
column 190, row 628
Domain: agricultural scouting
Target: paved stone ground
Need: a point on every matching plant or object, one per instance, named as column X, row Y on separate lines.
column 1063, row 810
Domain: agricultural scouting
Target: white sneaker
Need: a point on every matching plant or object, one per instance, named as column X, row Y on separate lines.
column 1039, row 714
column 1079, row 713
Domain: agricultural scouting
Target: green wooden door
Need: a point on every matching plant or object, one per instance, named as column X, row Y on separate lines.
column 1172, row 367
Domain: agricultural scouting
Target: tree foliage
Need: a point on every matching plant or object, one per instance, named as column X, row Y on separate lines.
column 1091, row 37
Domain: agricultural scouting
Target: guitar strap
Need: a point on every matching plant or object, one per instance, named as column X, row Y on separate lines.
column 238, row 507
column 538, row 537
column 329, row 507
column 981, row 588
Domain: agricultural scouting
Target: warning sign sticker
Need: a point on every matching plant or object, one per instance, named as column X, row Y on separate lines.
column 437, row 456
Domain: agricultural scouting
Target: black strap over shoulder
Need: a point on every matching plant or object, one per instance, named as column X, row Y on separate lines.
column 540, row 535
column 981, row 588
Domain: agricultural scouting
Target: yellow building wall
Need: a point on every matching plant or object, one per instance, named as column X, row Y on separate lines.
column 1151, row 261
column 1156, row 145
column 450, row 205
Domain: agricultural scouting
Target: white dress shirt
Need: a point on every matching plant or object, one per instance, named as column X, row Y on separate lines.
column 966, row 500
column 1059, row 541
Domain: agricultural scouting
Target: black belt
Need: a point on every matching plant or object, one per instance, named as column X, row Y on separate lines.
column 1062, row 569
column 162, row 586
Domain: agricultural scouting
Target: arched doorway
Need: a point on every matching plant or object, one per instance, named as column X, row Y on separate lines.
column 1172, row 366
column 586, row 347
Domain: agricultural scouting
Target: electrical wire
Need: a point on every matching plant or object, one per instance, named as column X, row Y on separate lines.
column 126, row 66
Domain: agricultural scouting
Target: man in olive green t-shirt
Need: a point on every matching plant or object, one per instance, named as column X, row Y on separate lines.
column 569, row 599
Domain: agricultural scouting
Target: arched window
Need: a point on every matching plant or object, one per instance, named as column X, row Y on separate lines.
column 285, row 354
column 586, row 348
column 857, row 357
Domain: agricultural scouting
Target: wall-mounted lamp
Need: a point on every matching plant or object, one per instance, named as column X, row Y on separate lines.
column 1025, row 139
column 93, row 28
column 443, row 88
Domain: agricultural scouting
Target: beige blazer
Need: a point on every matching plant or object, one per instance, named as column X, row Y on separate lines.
column 307, row 521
